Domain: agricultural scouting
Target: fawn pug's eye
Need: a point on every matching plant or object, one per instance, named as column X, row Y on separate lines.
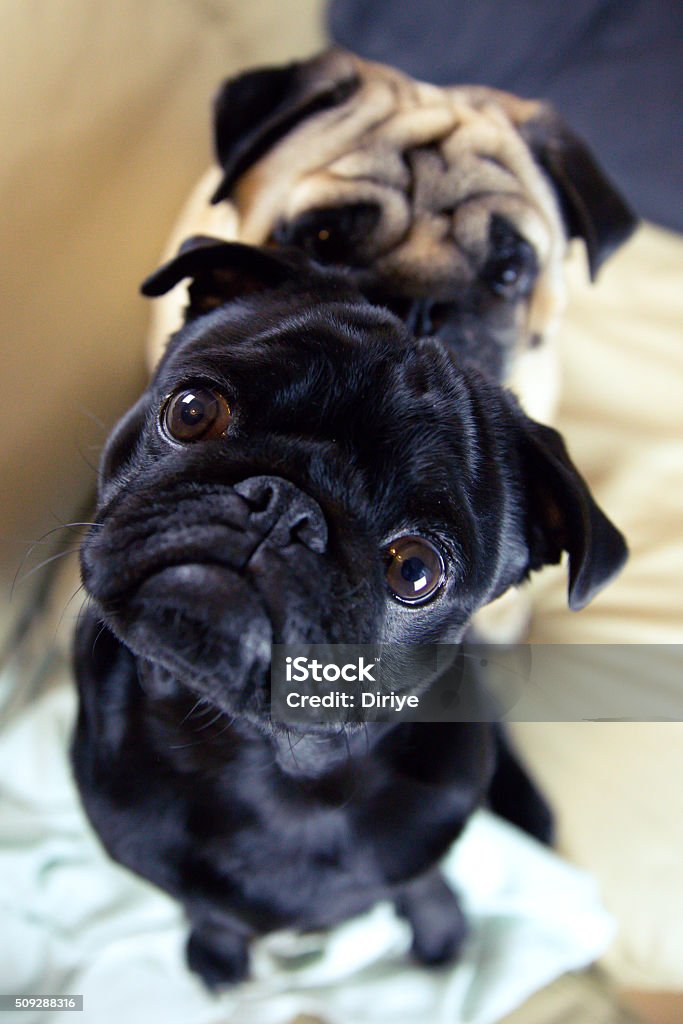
column 512, row 267
column 415, row 569
column 195, row 414
column 332, row 235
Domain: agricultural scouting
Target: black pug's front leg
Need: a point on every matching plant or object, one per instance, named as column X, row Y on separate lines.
column 218, row 952
column 433, row 912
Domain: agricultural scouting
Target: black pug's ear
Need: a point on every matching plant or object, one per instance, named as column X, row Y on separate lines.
column 221, row 271
column 592, row 207
column 256, row 109
column 563, row 516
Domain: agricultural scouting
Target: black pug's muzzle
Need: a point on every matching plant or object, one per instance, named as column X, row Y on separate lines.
column 301, row 469
column 225, row 572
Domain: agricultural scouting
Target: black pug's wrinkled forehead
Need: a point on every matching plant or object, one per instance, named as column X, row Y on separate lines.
column 299, row 463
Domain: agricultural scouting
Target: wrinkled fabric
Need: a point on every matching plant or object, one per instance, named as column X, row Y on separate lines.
column 75, row 922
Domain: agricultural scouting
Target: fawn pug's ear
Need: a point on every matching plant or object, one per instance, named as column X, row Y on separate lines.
column 222, row 271
column 256, row 109
column 562, row 515
column 592, row 207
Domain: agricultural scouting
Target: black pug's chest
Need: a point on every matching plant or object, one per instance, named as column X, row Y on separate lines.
column 250, row 842
column 206, row 812
column 282, row 853
column 282, row 863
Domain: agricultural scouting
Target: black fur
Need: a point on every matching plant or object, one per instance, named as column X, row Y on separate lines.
column 345, row 434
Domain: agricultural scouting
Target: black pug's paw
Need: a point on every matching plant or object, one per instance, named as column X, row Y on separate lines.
column 432, row 910
column 219, row 956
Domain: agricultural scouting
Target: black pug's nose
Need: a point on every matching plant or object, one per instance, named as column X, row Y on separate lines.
column 283, row 513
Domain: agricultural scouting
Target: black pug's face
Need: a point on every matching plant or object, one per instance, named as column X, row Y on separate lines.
column 301, row 470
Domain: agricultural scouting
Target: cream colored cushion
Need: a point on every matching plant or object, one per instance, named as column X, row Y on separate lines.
column 618, row 787
column 621, row 350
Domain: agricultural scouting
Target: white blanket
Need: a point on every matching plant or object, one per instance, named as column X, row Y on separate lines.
column 74, row 922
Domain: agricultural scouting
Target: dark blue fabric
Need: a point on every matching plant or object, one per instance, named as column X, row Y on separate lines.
column 613, row 68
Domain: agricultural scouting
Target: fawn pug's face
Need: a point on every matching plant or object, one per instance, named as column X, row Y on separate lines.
column 451, row 206
column 301, row 469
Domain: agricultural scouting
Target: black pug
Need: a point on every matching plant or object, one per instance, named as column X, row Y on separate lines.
column 293, row 440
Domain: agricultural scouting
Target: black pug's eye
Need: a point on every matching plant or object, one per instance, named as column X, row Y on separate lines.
column 195, row 414
column 415, row 569
column 512, row 267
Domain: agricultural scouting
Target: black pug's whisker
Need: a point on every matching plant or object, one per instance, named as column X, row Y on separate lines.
column 95, row 418
column 225, row 728
column 204, row 739
column 87, row 461
column 41, row 565
column 80, row 587
column 29, row 542
column 200, row 700
column 291, row 749
column 41, row 540
column 68, row 526
column 82, row 610
column 302, row 737
column 54, row 529
column 205, row 711
column 101, row 631
column 211, row 721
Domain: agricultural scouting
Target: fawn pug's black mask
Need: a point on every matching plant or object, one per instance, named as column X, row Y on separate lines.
column 301, row 469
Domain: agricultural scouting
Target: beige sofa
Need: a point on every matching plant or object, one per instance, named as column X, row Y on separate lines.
column 107, row 112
